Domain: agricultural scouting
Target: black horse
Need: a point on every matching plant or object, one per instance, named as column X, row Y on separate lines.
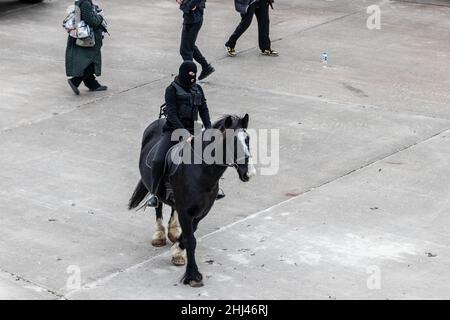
column 191, row 188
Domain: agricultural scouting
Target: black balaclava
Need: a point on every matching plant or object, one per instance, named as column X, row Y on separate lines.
column 184, row 77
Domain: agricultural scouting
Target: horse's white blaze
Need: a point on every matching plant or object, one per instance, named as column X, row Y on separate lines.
column 251, row 168
column 242, row 136
column 178, row 255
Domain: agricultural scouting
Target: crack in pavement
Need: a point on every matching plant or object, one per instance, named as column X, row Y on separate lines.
column 422, row 3
column 31, row 284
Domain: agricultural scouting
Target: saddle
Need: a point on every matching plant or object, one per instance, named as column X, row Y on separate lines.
column 175, row 152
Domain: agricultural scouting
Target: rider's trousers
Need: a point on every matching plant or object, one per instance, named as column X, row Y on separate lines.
column 158, row 160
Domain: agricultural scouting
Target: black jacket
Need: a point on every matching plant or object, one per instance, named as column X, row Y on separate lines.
column 174, row 116
column 242, row 5
column 193, row 16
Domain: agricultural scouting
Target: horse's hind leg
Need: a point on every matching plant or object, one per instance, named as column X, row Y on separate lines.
column 159, row 237
column 174, row 227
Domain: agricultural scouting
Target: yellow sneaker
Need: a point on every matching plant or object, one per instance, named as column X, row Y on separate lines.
column 231, row 51
column 270, row 52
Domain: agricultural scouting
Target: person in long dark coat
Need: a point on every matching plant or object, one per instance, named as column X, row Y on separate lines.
column 84, row 63
column 249, row 8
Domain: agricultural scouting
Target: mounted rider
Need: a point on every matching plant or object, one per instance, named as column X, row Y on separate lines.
column 185, row 100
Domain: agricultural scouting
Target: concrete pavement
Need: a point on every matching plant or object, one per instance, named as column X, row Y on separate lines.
column 362, row 188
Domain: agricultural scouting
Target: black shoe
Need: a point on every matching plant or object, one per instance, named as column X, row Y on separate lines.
column 101, row 88
column 153, row 201
column 74, row 87
column 206, row 72
column 220, row 195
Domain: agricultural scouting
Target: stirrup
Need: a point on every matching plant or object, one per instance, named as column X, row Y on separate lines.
column 220, row 194
column 148, row 203
column 153, row 201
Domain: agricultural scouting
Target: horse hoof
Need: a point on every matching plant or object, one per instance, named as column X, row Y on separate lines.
column 196, row 284
column 178, row 255
column 195, row 280
column 159, row 242
column 178, row 261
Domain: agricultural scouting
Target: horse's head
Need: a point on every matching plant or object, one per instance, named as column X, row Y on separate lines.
column 237, row 156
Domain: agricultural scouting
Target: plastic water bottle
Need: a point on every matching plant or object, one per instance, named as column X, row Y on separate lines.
column 325, row 59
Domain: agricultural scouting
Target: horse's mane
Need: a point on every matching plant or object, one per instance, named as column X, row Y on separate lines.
column 220, row 124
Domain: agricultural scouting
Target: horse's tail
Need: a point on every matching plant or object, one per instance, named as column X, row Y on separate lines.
column 138, row 195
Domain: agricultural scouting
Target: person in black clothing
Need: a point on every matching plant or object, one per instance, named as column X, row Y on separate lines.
column 248, row 8
column 193, row 11
column 184, row 101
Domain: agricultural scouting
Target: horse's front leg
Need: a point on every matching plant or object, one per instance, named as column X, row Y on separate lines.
column 192, row 276
column 174, row 227
column 178, row 253
column 159, row 237
column 175, row 234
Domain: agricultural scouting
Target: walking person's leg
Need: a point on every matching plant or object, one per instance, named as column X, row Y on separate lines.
column 246, row 21
column 90, row 81
column 200, row 58
column 74, row 83
column 262, row 15
column 196, row 54
column 207, row 68
column 89, row 78
column 188, row 37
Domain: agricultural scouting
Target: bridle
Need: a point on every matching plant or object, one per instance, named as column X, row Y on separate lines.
column 233, row 164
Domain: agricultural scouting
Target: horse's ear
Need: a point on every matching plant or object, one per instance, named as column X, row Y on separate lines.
column 228, row 122
column 244, row 121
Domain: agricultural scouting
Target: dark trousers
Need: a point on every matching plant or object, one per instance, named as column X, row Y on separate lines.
column 261, row 11
column 188, row 49
column 158, row 159
column 88, row 78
